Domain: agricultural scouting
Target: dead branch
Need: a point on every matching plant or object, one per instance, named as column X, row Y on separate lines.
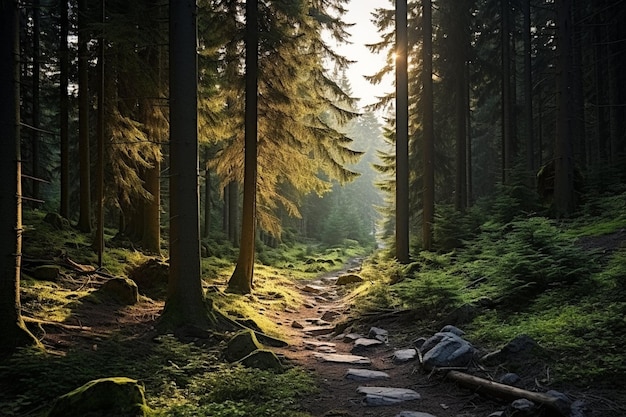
column 507, row 392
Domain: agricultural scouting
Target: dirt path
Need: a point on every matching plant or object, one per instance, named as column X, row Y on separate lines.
column 324, row 307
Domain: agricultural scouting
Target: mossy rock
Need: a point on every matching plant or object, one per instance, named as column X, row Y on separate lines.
column 151, row 278
column 349, row 279
column 241, row 345
column 46, row 272
column 106, row 397
column 123, row 290
column 263, row 359
column 57, row 221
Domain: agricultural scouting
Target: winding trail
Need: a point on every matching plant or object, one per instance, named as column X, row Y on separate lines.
column 312, row 336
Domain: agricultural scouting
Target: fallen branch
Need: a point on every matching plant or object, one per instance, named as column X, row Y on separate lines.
column 507, row 392
column 55, row 324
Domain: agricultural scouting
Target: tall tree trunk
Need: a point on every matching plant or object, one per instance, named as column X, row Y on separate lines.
column 99, row 238
column 64, row 209
column 151, row 238
column 185, row 304
column 507, row 122
column 402, row 134
column 36, row 93
column 461, row 41
column 580, row 139
column 84, row 218
column 528, row 93
column 241, row 280
column 12, row 328
column 564, row 198
column 468, row 153
column 429, row 129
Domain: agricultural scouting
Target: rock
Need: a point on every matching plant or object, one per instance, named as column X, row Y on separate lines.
column 316, row 343
column 151, row 278
column 364, row 344
column 46, row 273
column 313, row 289
column 404, row 355
column 451, row 351
column 431, row 342
column 578, row 409
column 517, row 350
column 263, row 359
column 341, row 358
column 349, row 279
column 124, row 290
column 351, row 337
column 365, row 374
column 510, row 379
column 452, row 329
column 377, row 396
column 123, row 397
column 413, row 414
column 378, row 333
column 521, row 408
column 496, row 414
column 57, row 221
column 241, row 345
column 563, row 402
column 318, row 330
column 330, row 315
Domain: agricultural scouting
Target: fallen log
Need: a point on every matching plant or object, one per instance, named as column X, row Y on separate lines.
column 506, row 392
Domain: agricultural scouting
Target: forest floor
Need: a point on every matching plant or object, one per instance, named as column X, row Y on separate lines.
column 92, row 323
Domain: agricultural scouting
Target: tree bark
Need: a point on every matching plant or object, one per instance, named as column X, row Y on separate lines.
column 99, row 238
column 402, row 134
column 36, row 106
column 185, row 304
column 64, row 209
column 151, row 238
column 564, row 198
column 84, row 218
column 12, row 327
column 429, row 129
column 507, row 124
column 241, row 280
column 528, row 93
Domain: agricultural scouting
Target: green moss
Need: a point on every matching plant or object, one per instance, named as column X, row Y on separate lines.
column 117, row 396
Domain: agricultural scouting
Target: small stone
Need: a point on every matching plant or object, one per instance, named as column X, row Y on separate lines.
column 413, row 414
column 562, row 401
column 341, row 358
column 318, row 330
column 578, row 409
column 496, row 414
column 46, row 272
column 351, row 337
column 377, row 396
column 404, row 355
column 365, row 374
column 521, row 408
column 451, row 350
column 313, row 289
column 330, row 315
column 262, row 359
column 452, row 329
column 364, row 343
column 296, row 325
column 378, row 333
column 510, row 379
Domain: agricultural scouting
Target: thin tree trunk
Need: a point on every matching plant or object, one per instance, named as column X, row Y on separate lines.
column 207, row 202
column 402, row 134
column 528, row 94
column 564, row 201
column 84, row 219
column 64, row 209
column 233, row 217
column 241, row 280
column 36, row 107
column 185, row 305
column 151, row 238
column 580, row 139
column 12, row 328
column 507, row 125
column 429, row 130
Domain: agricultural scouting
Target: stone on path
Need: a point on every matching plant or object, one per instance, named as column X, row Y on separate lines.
column 452, row 329
column 296, row 325
column 376, row 396
column 365, row 374
column 378, row 333
column 351, row 337
column 341, row 358
column 404, row 355
column 364, row 343
column 349, row 279
column 413, row 414
column 318, row 330
column 450, row 350
column 313, row 289
column 330, row 315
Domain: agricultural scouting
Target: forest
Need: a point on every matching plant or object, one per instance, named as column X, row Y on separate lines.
column 200, row 218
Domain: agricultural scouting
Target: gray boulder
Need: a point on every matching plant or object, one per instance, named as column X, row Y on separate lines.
column 450, row 351
column 521, row 408
column 123, row 290
column 378, row 333
column 452, row 329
